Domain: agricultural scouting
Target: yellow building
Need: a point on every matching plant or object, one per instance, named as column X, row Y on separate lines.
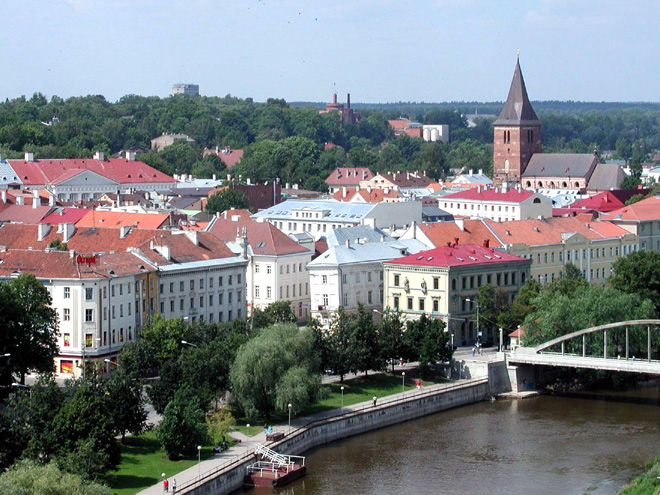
column 439, row 283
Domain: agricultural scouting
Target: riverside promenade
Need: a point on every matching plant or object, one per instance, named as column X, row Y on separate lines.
column 223, row 472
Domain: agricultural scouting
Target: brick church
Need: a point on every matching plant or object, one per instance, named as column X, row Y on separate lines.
column 518, row 158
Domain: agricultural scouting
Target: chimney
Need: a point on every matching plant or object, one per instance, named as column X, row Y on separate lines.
column 228, row 176
column 455, row 241
column 470, row 172
column 486, row 243
column 287, row 185
column 192, row 235
column 382, row 238
column 130, row 155
column 348, row 100
column 248, row 181
column 214, row 178
column 4, row 196
column 124, row 230
column 386, row 190
column 481, row 171
column 165, row 252
column 29, row 156
column 503, row 187
column 72, row 254
column 36, row 200
column 348, row 243
column 44, row 229
column 479, row 189
column 20, row 200
column 334, row 98
column 343, row 192
column 99, row 155
column 67, row 229
column 369, row 189
column 51, row 200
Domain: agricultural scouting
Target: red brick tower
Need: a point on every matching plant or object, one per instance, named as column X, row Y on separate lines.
column 517, row 134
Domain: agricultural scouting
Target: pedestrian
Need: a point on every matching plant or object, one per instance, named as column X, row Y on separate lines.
column 474, row 350
column 375, row 398
column 174, row 485
column 266, row 428
column 401, row 361
column 166, row 485
column 419, row 384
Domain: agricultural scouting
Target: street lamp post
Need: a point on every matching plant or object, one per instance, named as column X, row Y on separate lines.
column 20, row 385
column 342, row 399
column 109, row 361
column 290, row 415
column 477, row 305
column 403, row 382
column 5, row 355
column 247, row 443
column 199, row 460
column 184, row 342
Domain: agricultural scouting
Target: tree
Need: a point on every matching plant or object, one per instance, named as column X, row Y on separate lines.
column 84, row 418
column 390, row 334
column 29, row 477
column 183, row 427
column 124, row 392
column 338, row 344
column 639, row 273
column 428, row 342
column 522, row 305
column 280, row 312
column 226, row 199
column 29, row 326
column 278, row 366
column 365, row 348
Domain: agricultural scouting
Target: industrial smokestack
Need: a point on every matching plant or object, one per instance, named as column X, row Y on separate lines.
column 348, row 100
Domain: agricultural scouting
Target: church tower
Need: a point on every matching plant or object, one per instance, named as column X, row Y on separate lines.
column 517, row 134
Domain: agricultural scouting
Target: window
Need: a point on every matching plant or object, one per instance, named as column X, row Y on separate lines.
column 171, row 287
column 89, row 293
column 230, row 297
column 230, row 279
column 324, row 279
column 421, row 304
column 396, row 302
column 368, row 276
column 121, row 310
column 67, row 292
column 357, row 278
column 181, row 286
column 256, row 291
column 66, row 316
column 436, row 283
column 211, row 285
column 67, row 339
column 192, row 285
column 300, row 267
column 161, row 288
column 171, row 306
column 89, row 315
column 396, row 280
column 369, row 297
column 201, row 283
column 181, row 303
column 201, row 301
column 325, row 299
column 121, row 289
column 105, row 292
column 162, row 306
column 112, row 291
column 345, row 299
column 105, row 313
column 410, row 303
column 436, row 304
column 219, row 281
column 192, row 303
column 238, row 296
column 269, row 269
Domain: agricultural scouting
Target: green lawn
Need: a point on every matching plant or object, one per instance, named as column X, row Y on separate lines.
column 356, row 390
column 142, row 462
column 647, row 483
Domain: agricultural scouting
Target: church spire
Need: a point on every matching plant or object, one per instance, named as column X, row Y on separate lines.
column 517, row 109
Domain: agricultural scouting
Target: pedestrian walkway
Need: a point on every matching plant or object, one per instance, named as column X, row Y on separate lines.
column 248, row 444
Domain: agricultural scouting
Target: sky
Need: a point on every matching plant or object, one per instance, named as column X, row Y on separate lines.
column 377, row 50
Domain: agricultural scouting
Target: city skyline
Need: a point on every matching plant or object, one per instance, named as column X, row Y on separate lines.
column 378, row 51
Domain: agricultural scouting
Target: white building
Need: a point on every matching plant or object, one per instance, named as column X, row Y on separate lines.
column 277, row 267
column 350, row 274
column 499, row 204
column 319, row 217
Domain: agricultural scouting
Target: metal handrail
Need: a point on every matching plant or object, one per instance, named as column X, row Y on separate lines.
column 399, row 398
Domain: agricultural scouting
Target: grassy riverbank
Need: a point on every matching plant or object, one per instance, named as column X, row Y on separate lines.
column 647, row 483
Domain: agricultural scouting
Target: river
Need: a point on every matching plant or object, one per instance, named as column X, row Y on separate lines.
column 588, row 444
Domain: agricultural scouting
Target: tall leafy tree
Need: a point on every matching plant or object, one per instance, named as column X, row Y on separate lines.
column 639, row 273
column 428, row 342
column 183, row 427
column 226, row 199
column 391, row 336
column 124, row 392
column 30, row 328
column 37, row 479
column 365, row 345
column 338, row 344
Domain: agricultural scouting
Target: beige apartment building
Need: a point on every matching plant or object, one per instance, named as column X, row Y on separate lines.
column 440, row 281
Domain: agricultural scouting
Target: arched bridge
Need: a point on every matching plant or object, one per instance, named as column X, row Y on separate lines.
column 613, row 353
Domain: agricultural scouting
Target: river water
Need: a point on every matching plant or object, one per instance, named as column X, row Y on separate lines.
column 587, row 444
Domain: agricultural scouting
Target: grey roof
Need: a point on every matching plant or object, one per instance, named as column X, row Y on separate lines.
column 338, row 211
column 517, row 109
column 434, row 211
column 366, row 253
column 473, row 179
column 606, row 176
column 561, row 165
column 7, row 174
column 338, row 237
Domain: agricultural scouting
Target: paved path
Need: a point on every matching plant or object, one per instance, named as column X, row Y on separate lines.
column 248, row 443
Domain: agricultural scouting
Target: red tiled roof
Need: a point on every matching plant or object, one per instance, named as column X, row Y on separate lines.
column 348, row 176
column 232, row 158
column 458, row 255
column 550, row 230
column 84, row 240
column 66, row 215
column 99, row 218
column 510, row 196
column 375, row 196
column 120, row 170
column 398, row 124
column 263, row 237
column 407, row 179
column 473, row 232
column 183, row 250
column 24, row 213
column 647, row 209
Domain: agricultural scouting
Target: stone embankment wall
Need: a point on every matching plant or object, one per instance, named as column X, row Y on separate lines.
column 387, row 412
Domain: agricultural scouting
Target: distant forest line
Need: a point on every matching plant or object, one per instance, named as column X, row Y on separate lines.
column 290, row 142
